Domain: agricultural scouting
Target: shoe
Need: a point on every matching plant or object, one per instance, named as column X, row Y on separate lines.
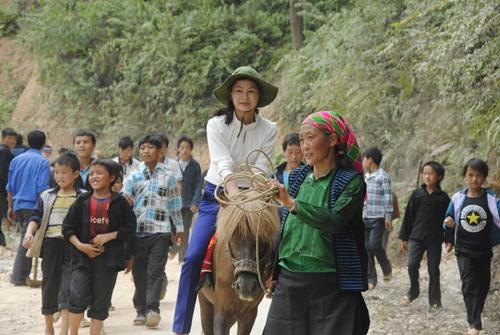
column 152, row 319
column 434, row 308
column 84, row 323
column 405, row 301
column 140, row 320
column 111, row 308
column 20, row 284
column 473, row 331
column 388, row 277
column 371, row 286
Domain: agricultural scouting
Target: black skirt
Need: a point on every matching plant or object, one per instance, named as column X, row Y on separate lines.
column 311, row 304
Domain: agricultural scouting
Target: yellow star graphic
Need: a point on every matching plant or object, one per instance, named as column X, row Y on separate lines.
column 473, row 218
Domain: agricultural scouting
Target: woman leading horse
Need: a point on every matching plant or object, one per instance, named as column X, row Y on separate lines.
column 321, row 260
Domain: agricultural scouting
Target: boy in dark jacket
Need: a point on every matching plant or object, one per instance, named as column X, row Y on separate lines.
column 191, row 190
column 97, row 225
column 421, row 231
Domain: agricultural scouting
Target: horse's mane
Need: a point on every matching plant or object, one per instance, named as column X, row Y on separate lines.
column 248, row 222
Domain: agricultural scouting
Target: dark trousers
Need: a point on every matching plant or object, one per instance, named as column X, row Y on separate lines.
column 22, row 264
column 3, row 241
column 374, row 232
column 476, row 277
column 415, row 253
column 3, row 214
column 56, row 269
column 92, row 286
column 148, row 271
column 187, row 219
column 311, row 304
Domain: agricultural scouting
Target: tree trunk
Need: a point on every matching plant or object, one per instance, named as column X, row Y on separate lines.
column 296, row 26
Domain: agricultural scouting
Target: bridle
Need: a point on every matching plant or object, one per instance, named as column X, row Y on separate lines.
column 248, row 265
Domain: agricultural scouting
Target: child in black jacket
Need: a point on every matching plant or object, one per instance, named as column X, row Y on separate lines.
column 97, row 225
column 422, row 231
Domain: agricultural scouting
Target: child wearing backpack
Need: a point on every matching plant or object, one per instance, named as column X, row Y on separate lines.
column 421, row 231
column 473, row 218
column 97, row 225
column 44, row 238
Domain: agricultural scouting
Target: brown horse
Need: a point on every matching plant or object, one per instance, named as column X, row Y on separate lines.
column 241, row 234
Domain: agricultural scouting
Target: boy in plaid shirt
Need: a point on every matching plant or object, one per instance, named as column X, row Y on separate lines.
column 157, row 202
column 377, row 214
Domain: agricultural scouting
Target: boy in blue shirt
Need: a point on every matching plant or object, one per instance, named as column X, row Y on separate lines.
column 29, row 175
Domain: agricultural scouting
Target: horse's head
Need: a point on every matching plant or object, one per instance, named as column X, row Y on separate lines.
column 248, row 233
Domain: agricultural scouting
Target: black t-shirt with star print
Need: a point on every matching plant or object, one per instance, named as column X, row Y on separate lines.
column 474, row 228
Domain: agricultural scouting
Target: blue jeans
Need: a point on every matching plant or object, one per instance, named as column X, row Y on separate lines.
column 201, row 234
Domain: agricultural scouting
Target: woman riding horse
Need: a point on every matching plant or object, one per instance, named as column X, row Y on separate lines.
column 232, row 134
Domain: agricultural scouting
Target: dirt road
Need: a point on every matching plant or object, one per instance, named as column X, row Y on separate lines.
column 20, row 306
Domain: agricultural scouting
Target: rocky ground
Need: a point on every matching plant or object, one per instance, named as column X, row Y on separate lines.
column 20, row 306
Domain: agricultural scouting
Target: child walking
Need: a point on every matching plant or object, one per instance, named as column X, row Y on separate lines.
column 191, row 190
column 157, row 205
column 44, row 236
column 97, row 225
column 472, row 216
column 421, row 231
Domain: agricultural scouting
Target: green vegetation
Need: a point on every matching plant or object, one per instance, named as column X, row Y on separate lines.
column 8, row 22
column 417, row 78
column 413, row 76
column 135, row 66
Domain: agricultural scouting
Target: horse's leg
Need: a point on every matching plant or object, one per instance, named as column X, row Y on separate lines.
column 207, row 315
column 222, row 322
column 245, row 323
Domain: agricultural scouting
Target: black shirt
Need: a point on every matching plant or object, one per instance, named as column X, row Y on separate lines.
column 424, row 215
column 474, row 228
column 5, row 159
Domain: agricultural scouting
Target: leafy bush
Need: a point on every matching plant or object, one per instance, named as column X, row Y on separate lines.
column 417, row 78
column 8, row 22
column 133, row 66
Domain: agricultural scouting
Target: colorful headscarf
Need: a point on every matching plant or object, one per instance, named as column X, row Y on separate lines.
column 333, row 122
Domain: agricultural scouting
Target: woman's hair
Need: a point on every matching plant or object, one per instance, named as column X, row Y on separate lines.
column 229, row 110
column 341, row 158
column 437, row 167
column 476, row 164
column 186, row 139
column 114, row 169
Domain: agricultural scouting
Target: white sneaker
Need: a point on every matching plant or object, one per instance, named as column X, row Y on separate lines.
column 152, row 319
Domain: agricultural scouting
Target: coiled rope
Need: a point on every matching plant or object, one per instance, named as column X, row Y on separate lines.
column 258, row 181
